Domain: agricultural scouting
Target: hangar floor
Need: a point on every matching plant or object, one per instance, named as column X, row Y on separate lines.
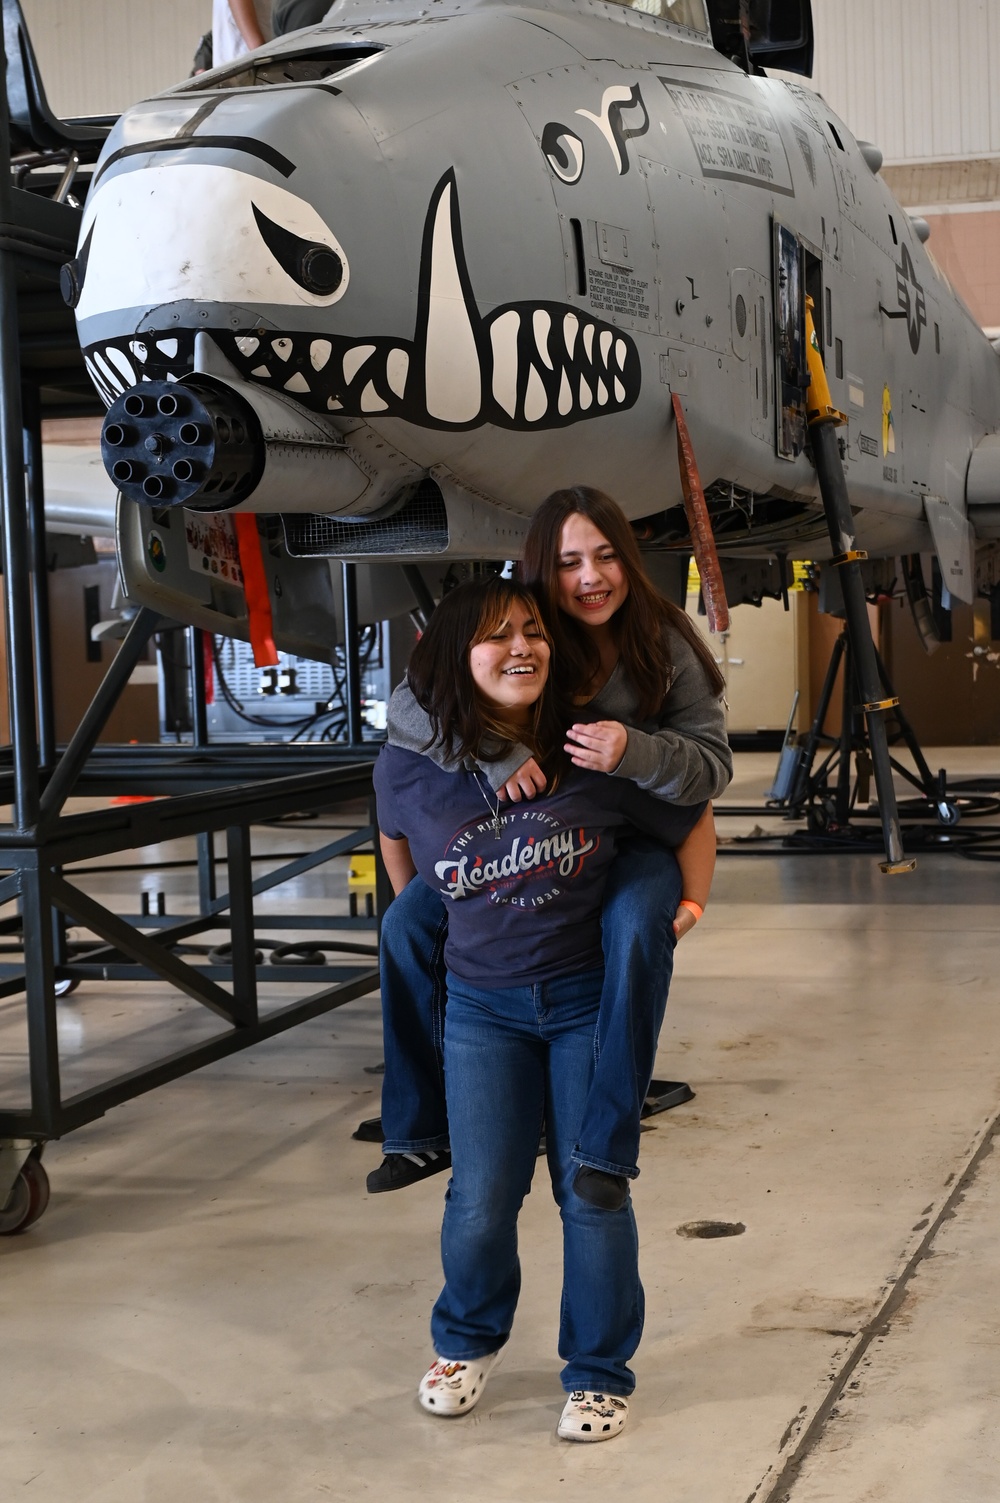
column 213, row 1309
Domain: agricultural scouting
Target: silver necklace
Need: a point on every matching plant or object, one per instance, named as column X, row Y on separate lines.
column 495, row 820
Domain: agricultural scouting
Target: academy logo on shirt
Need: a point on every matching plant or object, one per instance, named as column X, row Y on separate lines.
column 525, row 868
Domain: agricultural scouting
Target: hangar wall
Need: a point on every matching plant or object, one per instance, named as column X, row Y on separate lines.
column 917, row 77
column 102, row 55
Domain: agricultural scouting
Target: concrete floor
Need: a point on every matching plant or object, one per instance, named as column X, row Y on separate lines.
column 213, row 1309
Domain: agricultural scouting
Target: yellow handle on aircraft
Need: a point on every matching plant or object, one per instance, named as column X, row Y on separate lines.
column 819, row 403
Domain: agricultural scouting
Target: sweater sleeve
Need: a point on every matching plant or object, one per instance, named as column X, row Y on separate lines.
column 409, row 726
column 685, row 758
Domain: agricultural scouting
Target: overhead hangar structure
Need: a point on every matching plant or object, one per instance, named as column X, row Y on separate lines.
column 381, row 286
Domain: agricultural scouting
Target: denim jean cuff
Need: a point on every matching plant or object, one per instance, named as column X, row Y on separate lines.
column 627, row 1170
column 416, row 1145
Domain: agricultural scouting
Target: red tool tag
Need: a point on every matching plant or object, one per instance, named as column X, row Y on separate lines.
column 265, row 654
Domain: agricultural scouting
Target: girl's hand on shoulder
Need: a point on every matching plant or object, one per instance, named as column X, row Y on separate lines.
column 527, row 781
column 598, row 746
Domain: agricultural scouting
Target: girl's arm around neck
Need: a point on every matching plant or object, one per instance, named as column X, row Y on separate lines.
column 409, row 726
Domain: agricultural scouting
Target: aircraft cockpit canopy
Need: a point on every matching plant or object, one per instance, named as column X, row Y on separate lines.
column 259, row 69
column 689, row 13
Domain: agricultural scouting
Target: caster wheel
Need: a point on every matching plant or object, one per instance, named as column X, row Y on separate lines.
column 27, row 1200
column 948, row 814
column 67, row 985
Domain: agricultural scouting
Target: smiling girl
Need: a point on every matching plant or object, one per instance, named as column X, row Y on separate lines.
column 523, row 885
column 648, row 713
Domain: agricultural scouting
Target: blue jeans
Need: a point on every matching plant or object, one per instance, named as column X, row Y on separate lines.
column 514, row 1056
column 640, row 899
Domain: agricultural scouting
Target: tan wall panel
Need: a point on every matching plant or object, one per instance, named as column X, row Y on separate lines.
column 916, row 77
column 100, row 56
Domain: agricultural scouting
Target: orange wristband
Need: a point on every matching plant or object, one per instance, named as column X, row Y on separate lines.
column 695, row 908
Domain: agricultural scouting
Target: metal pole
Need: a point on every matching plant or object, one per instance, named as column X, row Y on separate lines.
column 71, row 763
column 840, row 521
column 13, row 513
column 199, row 707
column 824, row 419
column 40, row 580
column 352, row 665
column 207, row 892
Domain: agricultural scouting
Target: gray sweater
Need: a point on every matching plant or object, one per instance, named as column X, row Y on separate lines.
column 681, row 755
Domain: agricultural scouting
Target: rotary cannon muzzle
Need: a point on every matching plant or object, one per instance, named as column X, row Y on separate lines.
column 197, row 444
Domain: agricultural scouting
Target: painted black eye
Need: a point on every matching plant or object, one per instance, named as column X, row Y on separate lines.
column 563, row 151
column 73, row 274
column 315, row 266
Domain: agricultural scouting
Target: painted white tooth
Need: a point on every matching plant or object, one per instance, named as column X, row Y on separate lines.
column 565, row 403
column 319, row 353
column 172, row 376
column 586, row 395
column 98, row 380
column 261, row 372
column 371, row 401
column 619, row 391
column 453, row 380
column 503, row 336
column 297, row 382
column 397, row 367
column 282, row 348
column 602, row 394
column 139, row 350
column 111, row 378
column 168, row 347
column 621, row 353
column 588, row 341
column 535, row 401
column 248, row 345
column 122, row 365
column 571, row 328
column 334, row 405
column 605, row 343
column 541, row 323
column 355, row 359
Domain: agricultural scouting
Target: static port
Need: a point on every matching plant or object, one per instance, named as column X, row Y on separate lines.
column 153, row 486
column 122, row 470
column 183, row 469
column 114, row 434
column 135, row 405
column 169, row 405
column 189, row 433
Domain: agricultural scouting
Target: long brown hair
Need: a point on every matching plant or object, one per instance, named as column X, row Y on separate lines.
column 638, row 623
column 441, row 679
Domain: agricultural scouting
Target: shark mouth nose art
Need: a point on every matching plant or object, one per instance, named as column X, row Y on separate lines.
column 525, row 366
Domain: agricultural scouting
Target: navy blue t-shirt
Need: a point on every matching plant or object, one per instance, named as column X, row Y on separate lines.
column 526, row 906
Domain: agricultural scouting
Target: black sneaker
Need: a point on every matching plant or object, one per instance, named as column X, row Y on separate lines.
column 397, row 1170
column 607, row 1191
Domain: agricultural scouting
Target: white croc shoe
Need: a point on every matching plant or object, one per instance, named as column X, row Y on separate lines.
column 453, row 1386
column 592, row 1416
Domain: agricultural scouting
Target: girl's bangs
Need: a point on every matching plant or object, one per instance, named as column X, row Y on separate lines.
column 496, row 613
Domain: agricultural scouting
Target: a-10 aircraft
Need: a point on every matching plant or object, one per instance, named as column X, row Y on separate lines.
column 389, row 281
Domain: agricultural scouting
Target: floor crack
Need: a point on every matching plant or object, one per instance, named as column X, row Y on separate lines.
column 779, row 1490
